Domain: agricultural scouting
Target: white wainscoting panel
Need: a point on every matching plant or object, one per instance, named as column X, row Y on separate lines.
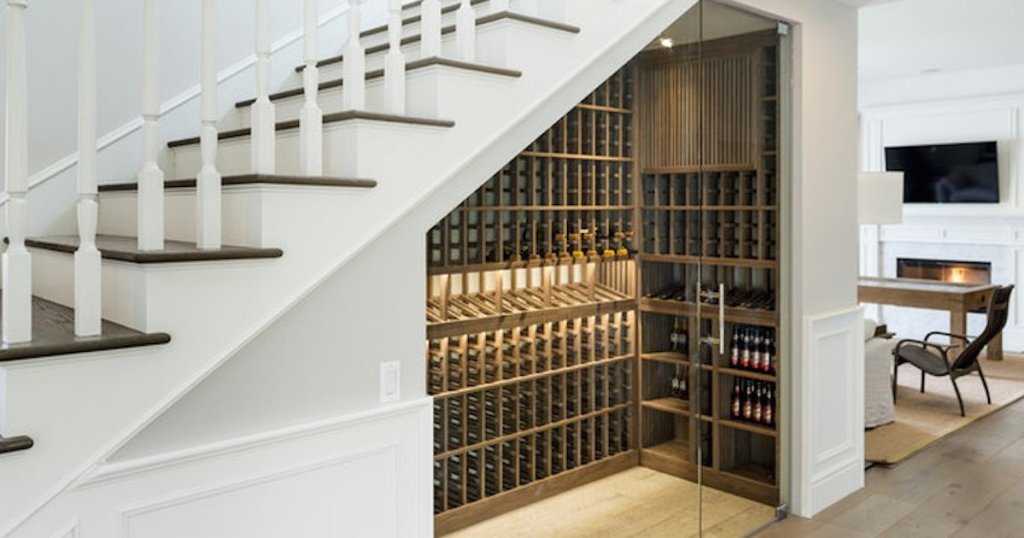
column 829, row 406
column 362, row 475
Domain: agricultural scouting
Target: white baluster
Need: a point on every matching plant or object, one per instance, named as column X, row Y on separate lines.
column 353, row 75
column 311, row 117
column 17, row 263
column 263, row 130
column 430, row 28
column 465, row 31
column 150, row 178
column 88, row 316
column 394, row 62
column 208, row 183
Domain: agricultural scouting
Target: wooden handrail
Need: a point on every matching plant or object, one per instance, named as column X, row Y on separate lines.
column 15, row 444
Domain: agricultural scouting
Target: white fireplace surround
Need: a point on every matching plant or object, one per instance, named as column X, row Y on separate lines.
column 991, row 233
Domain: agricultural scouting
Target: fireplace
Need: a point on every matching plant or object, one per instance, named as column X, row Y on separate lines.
column 945, row 270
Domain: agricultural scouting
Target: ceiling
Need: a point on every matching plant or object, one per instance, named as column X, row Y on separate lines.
column 914, row 37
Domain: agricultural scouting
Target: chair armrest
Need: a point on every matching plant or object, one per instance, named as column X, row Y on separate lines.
column 961, row 337
column 943, row 350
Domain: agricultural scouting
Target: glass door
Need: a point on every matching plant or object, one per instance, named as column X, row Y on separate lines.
column 708, row 123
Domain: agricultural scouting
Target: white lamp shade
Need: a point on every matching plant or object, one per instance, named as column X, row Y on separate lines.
column 880, row 198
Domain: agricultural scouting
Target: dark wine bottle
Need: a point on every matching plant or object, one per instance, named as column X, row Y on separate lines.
column 736, row 399
column 758, row 402
column 755, row 351
column 748, row 401
column 734, row 357
column 745, row 361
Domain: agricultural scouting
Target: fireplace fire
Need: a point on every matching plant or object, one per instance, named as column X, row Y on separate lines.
column 960, row 272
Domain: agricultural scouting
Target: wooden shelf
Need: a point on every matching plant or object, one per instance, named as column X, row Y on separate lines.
column 748, row 374
column 752, row 472
column 764, row 318
column 668, row 405
column 480, row 312
column 563, row 261
column 707, row 260
column 657, row 207
column 748, row 427
column 577, row 156
column 672, row 357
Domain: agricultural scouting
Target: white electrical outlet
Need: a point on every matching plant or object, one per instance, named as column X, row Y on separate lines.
column 390, row 385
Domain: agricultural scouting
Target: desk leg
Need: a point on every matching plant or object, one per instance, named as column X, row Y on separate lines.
column 995, row 348
column 957, row 325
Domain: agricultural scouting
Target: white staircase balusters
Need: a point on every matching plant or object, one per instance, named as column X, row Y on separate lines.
column 88, row 317
column 394, row 62
column 311, row 161
column 17, row 263
column 430, row 28
column 465, row 31
column 263, row 117
column 150, row 178
column 208, row 182
column 353, row 75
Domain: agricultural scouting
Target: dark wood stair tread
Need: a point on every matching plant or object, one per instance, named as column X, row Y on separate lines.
column 254, row 179
column 511, row 15
column 115, row 247
column 53, row 333
column 15, row 444
column 378, row 73
column 328, row 118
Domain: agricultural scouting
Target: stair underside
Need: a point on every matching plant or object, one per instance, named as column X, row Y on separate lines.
column 53, row 333
column 253, row 179
column 126, row 249
column 379, row 73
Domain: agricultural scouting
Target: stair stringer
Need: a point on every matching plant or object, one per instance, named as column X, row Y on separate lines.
column 416, row 191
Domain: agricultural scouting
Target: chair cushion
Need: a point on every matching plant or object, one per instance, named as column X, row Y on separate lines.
column 927, row 359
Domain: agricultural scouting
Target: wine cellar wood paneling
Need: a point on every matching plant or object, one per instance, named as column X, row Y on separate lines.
column 568, row 297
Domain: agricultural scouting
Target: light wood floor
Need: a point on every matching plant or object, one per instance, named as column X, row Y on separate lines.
column 969, row 485
column 635, row 503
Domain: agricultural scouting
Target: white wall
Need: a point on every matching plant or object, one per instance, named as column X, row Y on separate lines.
column 52, row 34
column 967, row 106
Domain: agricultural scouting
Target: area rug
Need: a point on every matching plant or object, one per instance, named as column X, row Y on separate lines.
column 924, row 419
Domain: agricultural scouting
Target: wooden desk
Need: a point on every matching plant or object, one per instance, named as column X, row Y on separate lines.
column 957, row 299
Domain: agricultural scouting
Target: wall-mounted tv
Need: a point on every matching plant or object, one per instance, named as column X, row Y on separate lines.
column 947, row 173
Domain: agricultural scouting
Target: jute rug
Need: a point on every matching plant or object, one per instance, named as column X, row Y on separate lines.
column 924, row 419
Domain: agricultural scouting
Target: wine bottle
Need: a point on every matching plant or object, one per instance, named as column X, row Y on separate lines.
column 734, row 356
column 768, row 415
column 770, row 351
column 745, row 361
column 758, row 405
column 755, row 352
column 748, row 401
column 736, row 399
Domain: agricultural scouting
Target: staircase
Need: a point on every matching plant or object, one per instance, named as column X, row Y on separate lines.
column 370, row 147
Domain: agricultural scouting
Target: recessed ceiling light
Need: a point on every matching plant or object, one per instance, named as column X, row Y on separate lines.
column 666, row 42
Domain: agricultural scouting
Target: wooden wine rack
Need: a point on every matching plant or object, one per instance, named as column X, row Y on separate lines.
column 531, row 316
column 709, row 212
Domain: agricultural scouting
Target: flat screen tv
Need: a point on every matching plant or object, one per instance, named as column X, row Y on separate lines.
column 947, row 173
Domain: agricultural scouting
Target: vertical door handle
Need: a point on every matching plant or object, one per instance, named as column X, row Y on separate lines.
column 721, row 319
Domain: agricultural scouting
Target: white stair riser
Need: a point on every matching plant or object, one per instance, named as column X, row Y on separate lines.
column 330, row 101
column 240, row 205
column 375, row 60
